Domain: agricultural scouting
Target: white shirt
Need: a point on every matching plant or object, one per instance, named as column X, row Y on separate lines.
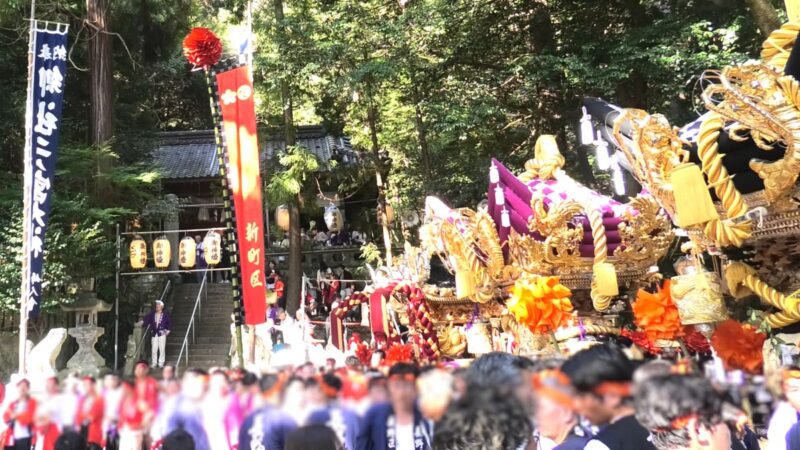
column 781, row 422
column 20, row 431
column 594, row 444
column 405, row 436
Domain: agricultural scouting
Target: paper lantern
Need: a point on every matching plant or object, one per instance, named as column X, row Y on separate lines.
column 212, row 248
column 161, row 252
column 282, row 217
column 333, row 218
column 187, row 252
column 138, row 251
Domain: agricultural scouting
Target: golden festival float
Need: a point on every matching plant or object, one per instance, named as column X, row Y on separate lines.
column 546, row 265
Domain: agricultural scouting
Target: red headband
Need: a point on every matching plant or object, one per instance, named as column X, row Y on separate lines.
column 677, row 423
column 328, row 390
column 621, row 388
column 276, row 387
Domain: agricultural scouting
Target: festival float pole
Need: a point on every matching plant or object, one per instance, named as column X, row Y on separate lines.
column 232, row 102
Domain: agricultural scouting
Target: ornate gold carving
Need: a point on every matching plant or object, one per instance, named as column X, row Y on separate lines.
column 698, row 298
column 742, row 280
column 467, row 239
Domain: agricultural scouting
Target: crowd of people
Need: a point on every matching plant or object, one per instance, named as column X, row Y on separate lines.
column 597, row 399
column 316, row 237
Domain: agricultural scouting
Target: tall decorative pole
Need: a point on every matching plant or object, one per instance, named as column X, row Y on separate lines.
column 47, row 55
column 27, row 193
column 203, row 49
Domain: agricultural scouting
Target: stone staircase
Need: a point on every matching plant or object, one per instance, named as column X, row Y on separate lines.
column 211, row 329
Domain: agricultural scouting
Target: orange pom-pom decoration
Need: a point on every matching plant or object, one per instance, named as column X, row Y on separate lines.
column 739, row 346
column 202, row 47
column 399, row 353
column 541, row 304
column 657, row 315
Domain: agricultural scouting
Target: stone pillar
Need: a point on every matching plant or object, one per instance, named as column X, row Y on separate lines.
column 171, row 223
column 86, row 360
column 86, row 332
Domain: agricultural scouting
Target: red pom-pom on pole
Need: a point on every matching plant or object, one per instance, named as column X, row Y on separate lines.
column 202, row 47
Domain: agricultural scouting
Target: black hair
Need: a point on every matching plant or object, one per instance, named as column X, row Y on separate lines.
column 310, row 383
column 70, row 440
column 376, row 381
column 547, row 364
column 495, row 370
column 486, row 420
column 317, row 437
column 268, row 381
column 595, row 365
column 249, row 379
column 404, row 369
column 178, row 440
column 661, row 399
column 196, row 371
column 333, row 381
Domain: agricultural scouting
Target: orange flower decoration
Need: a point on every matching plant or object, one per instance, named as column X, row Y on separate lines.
column 656, row 314
column 399, row 353
column 542, row 304
column 739, row 346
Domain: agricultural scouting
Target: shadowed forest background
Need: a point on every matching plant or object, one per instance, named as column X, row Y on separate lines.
column 431, row 88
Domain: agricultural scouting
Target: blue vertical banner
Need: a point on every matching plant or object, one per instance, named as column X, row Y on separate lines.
column 45, row 98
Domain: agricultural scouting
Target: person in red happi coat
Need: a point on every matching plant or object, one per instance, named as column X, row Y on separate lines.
column 90, row 415
column 19, row 418
column 46, row 432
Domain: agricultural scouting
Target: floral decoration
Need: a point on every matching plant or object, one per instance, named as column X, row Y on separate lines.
column 739, row 346
column 542, row 304
column 656, row 314
column 202, row 47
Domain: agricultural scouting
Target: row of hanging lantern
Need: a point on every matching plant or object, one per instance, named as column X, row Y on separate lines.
column 334, row 219
column 187, row 251
column 605, row 161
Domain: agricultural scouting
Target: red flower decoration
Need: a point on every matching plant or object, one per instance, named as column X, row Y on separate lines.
column 640, row 339
column 739, row 346
column 696, row 341
column 399, row 353
column 202, row 47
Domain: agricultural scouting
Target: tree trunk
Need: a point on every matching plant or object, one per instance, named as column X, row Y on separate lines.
column 294, row 282
column 372, row 122
column 101, row 115
column 764, row 15
column 422, row 132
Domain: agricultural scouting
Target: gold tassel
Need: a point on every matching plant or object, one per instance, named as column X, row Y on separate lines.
column 606, row 277
column 465, row 284
column 693, row 203
column 735, row 273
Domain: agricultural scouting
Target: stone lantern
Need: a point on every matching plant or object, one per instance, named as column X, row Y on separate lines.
column 86, row 332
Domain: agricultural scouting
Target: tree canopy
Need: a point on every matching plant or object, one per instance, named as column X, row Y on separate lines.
column 449, row 84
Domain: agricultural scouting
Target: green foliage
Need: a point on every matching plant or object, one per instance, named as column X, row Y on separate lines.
column 298, row 165
column 371, row 254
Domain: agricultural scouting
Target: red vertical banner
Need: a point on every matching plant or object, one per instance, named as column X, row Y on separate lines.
column 235, row 90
